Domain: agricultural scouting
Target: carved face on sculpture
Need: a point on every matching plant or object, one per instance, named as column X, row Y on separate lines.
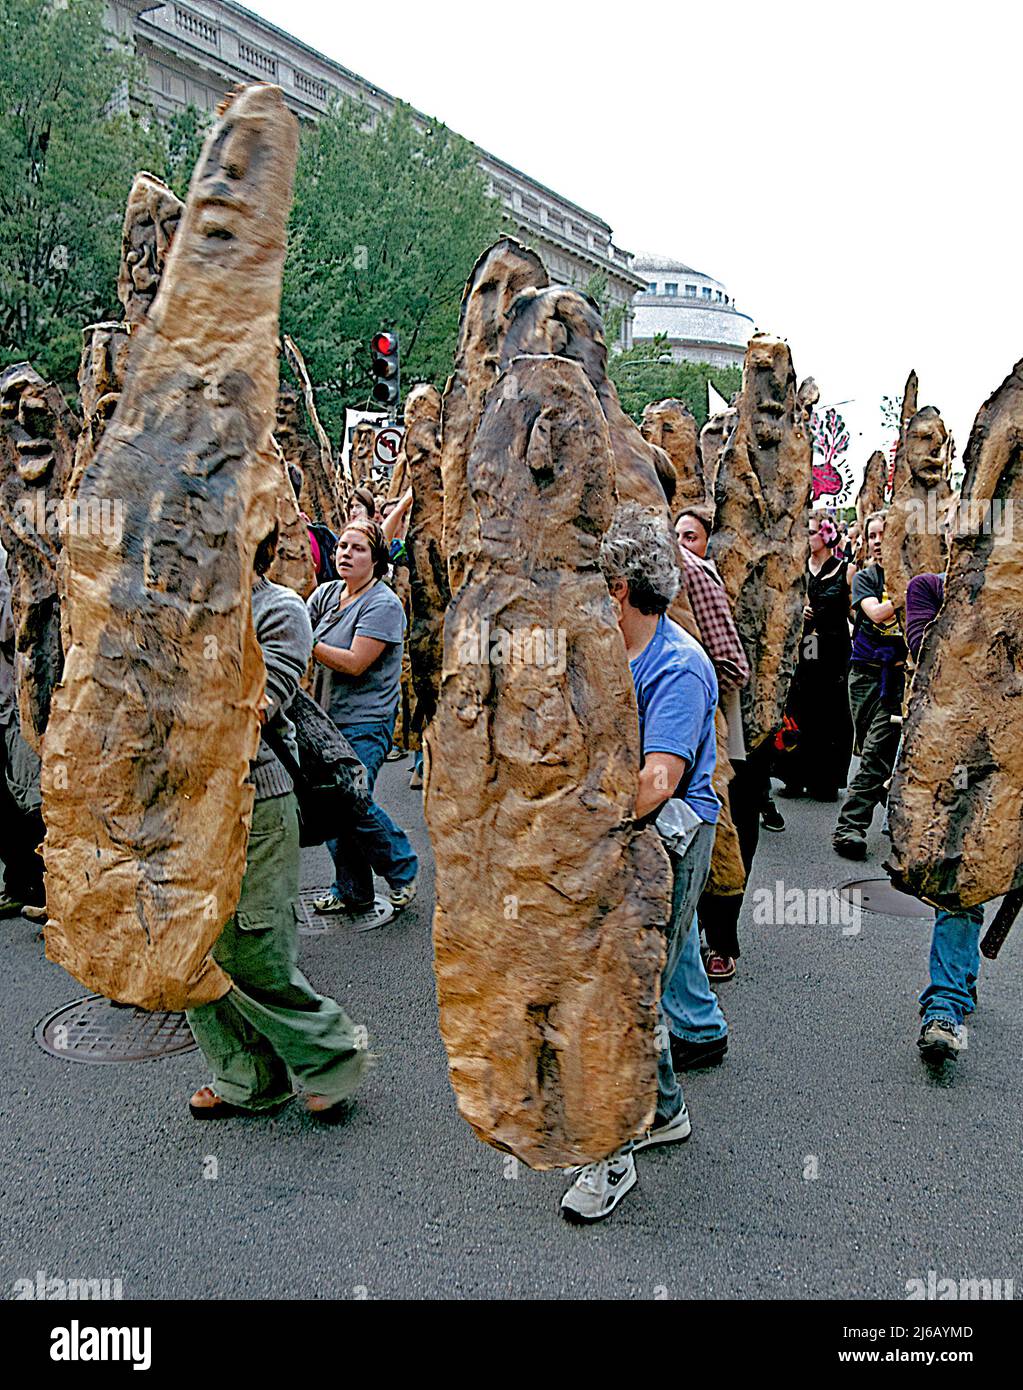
column 559, row 321
column 771, row 387
column 497, row 278
column 27, row 420
column 671, row 425
column 287, row 416
column 150, row 222
column 102, row 369
column 422, row 423
column 243, row 180
column 363, row 440
column 927, row 446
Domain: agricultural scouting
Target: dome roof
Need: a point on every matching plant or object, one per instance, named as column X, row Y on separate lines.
column 647, row 261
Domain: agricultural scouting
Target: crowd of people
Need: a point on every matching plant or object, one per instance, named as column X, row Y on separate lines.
column 274, row 1030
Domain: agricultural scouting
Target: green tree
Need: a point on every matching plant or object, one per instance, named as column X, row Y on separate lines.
column 390, row 214
column 185, row 133
column 612, row 314
column 69, row 146
column 647, row 373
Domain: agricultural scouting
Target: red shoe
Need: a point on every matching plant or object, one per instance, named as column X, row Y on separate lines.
column 720, row 967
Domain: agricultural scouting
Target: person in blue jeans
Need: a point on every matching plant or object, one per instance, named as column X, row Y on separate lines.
column 676, row 697
column 699, row 1032
column 955, row 941
column 359, row 626
column 952, row 991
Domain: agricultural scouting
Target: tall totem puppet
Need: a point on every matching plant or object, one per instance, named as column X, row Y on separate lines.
column 153, row 729
column 760, row 542
column 671, row 426
column 914, row 535
column 37, row 441
column 956, row 804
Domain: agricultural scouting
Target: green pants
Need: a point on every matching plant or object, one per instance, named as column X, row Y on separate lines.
column 877, row 741
column 273, row 1026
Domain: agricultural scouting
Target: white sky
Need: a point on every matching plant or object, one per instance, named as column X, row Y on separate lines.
column 851, row 172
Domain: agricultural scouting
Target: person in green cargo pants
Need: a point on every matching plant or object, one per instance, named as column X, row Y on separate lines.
column 272, row 1028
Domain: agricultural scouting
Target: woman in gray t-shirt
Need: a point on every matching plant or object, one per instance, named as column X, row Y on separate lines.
column 358, row 632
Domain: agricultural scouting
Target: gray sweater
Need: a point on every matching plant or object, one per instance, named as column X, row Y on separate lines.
column 286, row 638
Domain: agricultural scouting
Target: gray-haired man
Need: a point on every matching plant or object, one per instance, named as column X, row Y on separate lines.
column 677, row 694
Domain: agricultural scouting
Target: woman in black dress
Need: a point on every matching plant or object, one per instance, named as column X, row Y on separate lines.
column 818, row 700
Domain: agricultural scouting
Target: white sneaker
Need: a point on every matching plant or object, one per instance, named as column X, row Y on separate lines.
column 675, row 1130
column 401, row 897
column 599, row 1187
column 940, row 1039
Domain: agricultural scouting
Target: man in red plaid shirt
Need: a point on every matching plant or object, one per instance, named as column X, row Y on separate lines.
column 706, row 591
column 713, row 616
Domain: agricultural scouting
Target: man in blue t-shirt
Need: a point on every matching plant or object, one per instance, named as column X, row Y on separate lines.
column 676, row 692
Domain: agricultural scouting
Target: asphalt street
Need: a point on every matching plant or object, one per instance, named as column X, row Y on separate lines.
column 826, row 1159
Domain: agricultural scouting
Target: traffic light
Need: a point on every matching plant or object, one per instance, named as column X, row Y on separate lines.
column 387, row 387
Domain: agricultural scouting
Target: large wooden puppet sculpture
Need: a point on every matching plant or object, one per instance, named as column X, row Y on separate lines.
column 37, row 441
column 152, row 731
column 914, row 535
column 760, row 544
column 671, row 426
column 550, row 903
column 956, row 805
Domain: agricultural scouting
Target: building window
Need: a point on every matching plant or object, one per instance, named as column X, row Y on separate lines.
column 671, row 287
column 719, row 296
column 651, row 287
column 690, row 291
column 706, row 291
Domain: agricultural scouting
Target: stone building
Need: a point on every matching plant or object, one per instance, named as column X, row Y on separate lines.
column 696, row 312
column 195, row 52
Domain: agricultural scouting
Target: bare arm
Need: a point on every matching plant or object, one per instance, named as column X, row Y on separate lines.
column 877, row 611
column 350, row 661
column 658, row 778
column 390, row 524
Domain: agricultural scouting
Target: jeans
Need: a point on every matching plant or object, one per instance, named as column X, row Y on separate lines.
column 372, row 841
column 690, row 1004
column 955, row 964
column 689, row 874
column 272, row 1026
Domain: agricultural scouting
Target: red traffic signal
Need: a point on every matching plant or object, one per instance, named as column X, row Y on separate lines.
column 384, row 355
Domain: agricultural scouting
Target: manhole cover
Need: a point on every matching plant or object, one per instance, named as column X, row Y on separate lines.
column 311, row 922
column 93, row 1030
column 878, row 895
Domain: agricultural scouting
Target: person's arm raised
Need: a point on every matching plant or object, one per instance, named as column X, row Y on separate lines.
column 391, row 523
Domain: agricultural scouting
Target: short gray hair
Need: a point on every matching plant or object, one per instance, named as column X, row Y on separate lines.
column 639, row 548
